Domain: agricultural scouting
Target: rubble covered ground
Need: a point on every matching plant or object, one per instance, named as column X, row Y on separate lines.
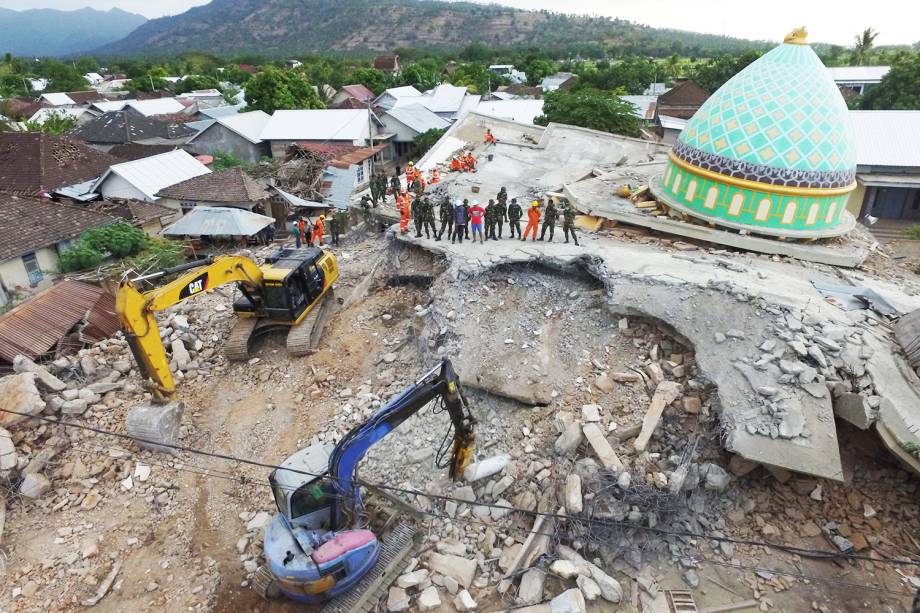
column 561, row 506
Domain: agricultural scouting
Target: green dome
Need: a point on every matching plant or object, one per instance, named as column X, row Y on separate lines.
column 772, row 151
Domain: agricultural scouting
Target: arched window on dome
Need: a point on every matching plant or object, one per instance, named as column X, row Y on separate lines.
column 711, row 195
column 763, row 210
column 676, row 187
column 737, row 202
column 789, row 213
column 813, row 211
column 667, row 176
column 691, row 190
column 831, row 211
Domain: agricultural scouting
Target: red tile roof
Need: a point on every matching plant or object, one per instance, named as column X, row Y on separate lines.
column 35, row 327
column 35, row 161
column 231, row 185
column 386, row 62
column 359, row 92
column 28, row 224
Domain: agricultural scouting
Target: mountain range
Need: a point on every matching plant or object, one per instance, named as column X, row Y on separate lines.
column 49, row 32
column 292, row 27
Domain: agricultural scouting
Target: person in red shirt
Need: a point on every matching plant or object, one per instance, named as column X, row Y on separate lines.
column 477, row 218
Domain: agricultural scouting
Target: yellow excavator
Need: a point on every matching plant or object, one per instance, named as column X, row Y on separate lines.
column 291, row 291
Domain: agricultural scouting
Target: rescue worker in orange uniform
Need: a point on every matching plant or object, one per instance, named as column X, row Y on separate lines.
column 435, row 176
column 410, row 173
column 317, row 237
column 456, row 165
column 533, row 220
column 403, row 203
column 470, row 162
column 490, row 138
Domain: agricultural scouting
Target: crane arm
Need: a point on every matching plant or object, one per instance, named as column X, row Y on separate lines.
column 135, row 310
column 441, row 381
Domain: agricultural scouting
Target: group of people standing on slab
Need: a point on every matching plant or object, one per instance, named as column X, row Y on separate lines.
column 471, row 220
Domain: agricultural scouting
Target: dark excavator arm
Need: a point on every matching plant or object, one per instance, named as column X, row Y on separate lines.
column 441, row 381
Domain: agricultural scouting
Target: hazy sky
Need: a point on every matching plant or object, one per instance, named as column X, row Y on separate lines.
column 833, row 21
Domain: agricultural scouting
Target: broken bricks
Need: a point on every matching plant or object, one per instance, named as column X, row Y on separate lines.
column 665, row 393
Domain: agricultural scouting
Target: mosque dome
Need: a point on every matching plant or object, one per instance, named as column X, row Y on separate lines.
column 772, row 151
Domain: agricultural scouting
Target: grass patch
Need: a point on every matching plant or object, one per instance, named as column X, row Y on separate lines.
column 912, row 232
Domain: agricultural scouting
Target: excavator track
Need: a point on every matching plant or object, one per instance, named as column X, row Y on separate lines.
column 237, row 346
column 303, row 339
column 365, row 596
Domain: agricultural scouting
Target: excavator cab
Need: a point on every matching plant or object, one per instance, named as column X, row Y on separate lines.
column 293, row 279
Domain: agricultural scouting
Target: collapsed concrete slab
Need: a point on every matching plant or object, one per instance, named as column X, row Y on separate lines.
column 747, row 312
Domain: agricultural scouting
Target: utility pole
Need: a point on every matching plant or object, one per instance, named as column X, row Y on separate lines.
column 370, row 133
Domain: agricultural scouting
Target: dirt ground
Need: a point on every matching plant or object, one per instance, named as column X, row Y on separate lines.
column 183, row 545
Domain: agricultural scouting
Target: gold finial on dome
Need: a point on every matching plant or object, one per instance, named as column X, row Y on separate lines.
column 798, row 36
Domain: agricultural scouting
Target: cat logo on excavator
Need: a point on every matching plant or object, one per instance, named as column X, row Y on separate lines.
column 195, row 286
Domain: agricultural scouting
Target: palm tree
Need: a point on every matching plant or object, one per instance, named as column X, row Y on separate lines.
column 863, row 47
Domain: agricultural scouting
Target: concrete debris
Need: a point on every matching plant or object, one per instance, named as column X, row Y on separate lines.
column 486, row 468
column 569, row 440
column 155, row 425
column 104, row 587
column 48, row 381
column 429, row 599
column 20, row 397
column 665, row 393
column 564, row 569
column 398, row 599
column 464, row 601
column 589, row 588
column 530, row 591
column 855, row 409
column 573, row 500
column 461, row 569
column 35, row 485
column 569, row 601
column 601, row 447
column 8, row 458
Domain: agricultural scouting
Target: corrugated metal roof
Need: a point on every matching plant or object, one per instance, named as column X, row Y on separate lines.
column 644, row 105
column 342, row 185
column 147, row 108
column 58, row 99
column 298, row 202
column 221, row 111
column 521, row 111
column 418, row 118
column 42, row 115
column 36, row 326
column 247, row 125
column 151, row 174
column 323, row 124
column 887, row 138
column 445, row 98
column 218, row 221
column 672, row 123
column 858, row 74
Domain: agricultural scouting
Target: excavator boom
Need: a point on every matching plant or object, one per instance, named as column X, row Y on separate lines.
column 135, row 310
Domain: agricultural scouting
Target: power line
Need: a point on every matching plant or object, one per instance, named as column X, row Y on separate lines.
column 240, row 479
column 815, row 553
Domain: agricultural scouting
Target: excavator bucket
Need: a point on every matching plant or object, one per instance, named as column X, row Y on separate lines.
column 462, row 454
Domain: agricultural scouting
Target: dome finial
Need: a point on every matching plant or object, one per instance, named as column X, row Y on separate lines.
column 798, row 36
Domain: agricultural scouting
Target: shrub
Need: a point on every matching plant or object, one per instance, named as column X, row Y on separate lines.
column 79, row 257
column 120, row 239
column 912, row 232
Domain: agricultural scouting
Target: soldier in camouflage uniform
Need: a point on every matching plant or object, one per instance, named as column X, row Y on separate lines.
column 501, row 211
column 490, row 220
column 375, row 189
column 549, row 219
column 514, row 217
column 446, row 215
column 417, row 215
column 428, row 217
column 466, row 205
column 380, row 180
column 568, row 222
column 395, row 183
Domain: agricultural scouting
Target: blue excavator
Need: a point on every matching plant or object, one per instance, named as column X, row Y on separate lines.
column 315, row 549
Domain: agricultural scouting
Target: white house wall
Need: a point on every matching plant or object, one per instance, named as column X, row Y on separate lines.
column 116, row 187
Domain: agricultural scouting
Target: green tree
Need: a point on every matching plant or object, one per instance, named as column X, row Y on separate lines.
column 633, row 75
column 224, row 160
column 536, row 68
column 193, row 82
column 149, row 82
column 86, row 63
column 426, row 140
column 12, row 85
column 862, row 48
column 63, row 77
column 274, row 89
column 371, row 78
column 899, row 89
column 418, row 76
column 54, row 123
column 714, row 73
column 590, row 108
